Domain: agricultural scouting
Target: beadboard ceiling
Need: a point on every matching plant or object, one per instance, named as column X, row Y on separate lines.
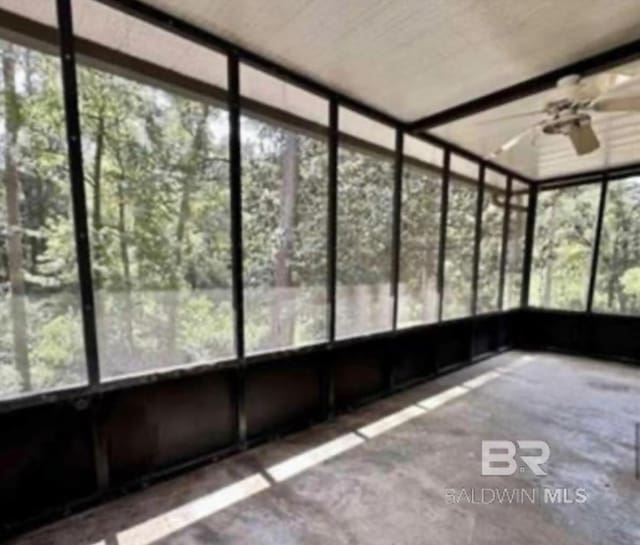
column 412, row 58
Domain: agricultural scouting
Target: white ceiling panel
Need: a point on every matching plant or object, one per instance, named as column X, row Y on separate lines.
column 411, row 58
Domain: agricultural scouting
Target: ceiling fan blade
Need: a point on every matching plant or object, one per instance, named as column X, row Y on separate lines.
column 576, row 88
column 600, row 84
column 583, row 138
column 512, row 141
column 617, row 104
column 509, row 117
column 616, row 82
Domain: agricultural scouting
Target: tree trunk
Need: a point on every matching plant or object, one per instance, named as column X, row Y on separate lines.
column 429, row 282
column 618, row 266
column 14, row 221
column 198, row 145
column 548, row 274
column 97, row 200
column 515, row 250
column 282, row 309
column 96, row 220
column 124, row 257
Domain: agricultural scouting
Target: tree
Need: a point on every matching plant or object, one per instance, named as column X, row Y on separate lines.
column 565, row 222
column 14, row 221
column 619, row 256
column 420, row 234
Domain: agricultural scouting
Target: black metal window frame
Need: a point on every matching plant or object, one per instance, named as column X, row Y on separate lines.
column 477, row 182
column 505, row 204
column 602, row 178
column 234, row 102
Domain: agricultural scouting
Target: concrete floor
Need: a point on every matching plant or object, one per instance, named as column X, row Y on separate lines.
column 365, row 480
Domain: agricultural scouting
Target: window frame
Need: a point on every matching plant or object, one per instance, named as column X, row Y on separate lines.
column 71, row 46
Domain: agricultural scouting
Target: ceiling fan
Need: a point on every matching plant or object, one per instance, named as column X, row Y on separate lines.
column 570, row 114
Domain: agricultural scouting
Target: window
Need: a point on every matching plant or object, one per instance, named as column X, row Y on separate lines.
column 364, row 302
column 420, row 233
column 41, row 344
column 493, row 207
column 284, row 192
column 618, row 276
column 565, row 221
column 514, row 266
column 156, row 169
column 461, row 221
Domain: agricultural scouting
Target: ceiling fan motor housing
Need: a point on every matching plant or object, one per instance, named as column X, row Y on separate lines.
column 563, row 123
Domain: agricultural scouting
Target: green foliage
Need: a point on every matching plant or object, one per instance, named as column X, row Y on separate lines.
column 565, row 224
column 463, row 198
column 156, row 167
column 631, row 282
column 619, row 260
column 490, row 248
column 565, row 221
column 420, row 235
column 54, row 349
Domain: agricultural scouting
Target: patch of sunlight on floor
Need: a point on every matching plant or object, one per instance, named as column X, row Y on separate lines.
column 185, row 515
column 194, row 511
column 301, row 462
column 389, row 422
column 478, row 381
column 435, row 401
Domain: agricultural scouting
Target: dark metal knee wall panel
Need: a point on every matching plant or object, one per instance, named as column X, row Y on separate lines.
column 48, row 464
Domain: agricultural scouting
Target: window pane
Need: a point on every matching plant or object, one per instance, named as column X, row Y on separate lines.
column 618, row 279
column 420, row 236
column 365, row 194
column 518, row 207
column 461, row 221
column 284, row 177
column 156, row 167
column 565, row 221
column 493, row 205
column 41, row 343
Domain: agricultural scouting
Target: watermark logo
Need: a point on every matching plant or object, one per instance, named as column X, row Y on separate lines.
column 499, row 457
column 505, row 458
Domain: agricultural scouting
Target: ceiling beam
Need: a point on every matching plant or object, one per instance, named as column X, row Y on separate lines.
column 590, row 65
column 474, row 157
column 587, row 176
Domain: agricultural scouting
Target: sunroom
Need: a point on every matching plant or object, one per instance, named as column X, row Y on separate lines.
column 319, row 272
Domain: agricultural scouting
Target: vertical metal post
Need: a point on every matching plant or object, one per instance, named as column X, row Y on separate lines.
column 528, row 245
column 442, row 242
column 74, row 146
column 477, row 240
column 235, row 198
column 332, row 242
column 595, row 251
column 100, row 447
column 396, row 218
column 396, row 226
column 83, row 253
column 504, row 250
column 332, row 218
